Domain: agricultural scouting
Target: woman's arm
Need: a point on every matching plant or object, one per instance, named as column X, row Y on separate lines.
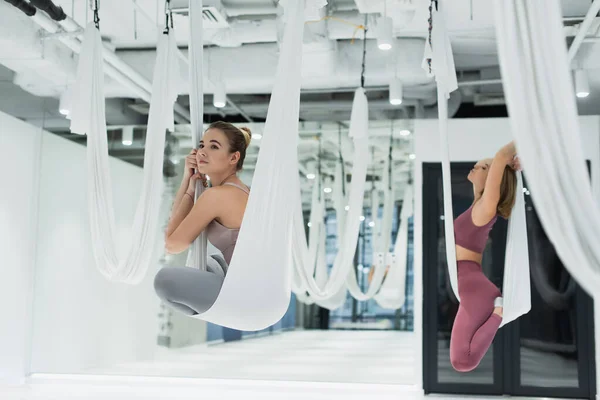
column 186, row 201
column 188, row 172
column 191, row 219
column 491, row 193
column 179, row 196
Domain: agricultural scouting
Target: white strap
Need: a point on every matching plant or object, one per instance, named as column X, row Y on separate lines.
column 517, row 291
column 447, row 189
column 544, row 121
column 392, row 294
column 88, row 117
column 198, row 252
column 257, row 288
column 345, row 255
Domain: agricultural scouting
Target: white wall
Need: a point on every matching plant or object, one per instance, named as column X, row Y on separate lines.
column 19, row 164
column 58, row 313
column 81, row 320
column 472, row 140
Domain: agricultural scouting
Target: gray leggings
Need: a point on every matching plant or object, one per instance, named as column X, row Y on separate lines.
column 189, row 290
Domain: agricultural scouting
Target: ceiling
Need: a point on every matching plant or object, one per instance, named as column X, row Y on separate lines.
column 241, row 44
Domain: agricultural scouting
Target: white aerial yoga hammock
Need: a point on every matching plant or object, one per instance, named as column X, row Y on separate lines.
column 516, row 288
column 256, row 290
column 345, row 256
column 198, row 252
column 315, row 241
column 543, row 117
column 340, row 200
column 381, row 245
column 88, row 117
column 393, row 291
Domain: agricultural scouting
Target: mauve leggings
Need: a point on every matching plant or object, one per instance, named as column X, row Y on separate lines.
column 476, row 324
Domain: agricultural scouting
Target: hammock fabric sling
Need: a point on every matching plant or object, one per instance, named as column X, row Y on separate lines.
column 543, row 117
column 88, row 117
column 438, row 59
column 257, row 288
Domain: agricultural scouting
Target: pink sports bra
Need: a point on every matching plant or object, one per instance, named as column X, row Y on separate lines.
column 220, row 236
column 469, row 235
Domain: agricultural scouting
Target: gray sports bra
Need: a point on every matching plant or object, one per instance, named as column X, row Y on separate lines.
column 220, row 236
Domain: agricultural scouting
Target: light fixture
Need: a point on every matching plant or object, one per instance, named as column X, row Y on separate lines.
column 309, row 224
column 582, row 86
column 256, row 136
column 412, row 156
column 327, row 190
column 386, row 33
column 362, row 217
column 347, row 208
column 372, row 224
column 64, row 105
column 310, row 176
column 404, row 132
column 396, row 92
column 220, row 96
column 127, row 135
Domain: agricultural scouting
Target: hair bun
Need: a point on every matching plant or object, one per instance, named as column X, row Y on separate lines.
column 247, row 135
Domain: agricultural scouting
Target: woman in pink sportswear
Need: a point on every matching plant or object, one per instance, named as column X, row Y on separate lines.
column 480, row 311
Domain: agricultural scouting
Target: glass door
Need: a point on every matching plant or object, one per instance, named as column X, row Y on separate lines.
column 548, row 352
column 551, row 347
column 440, row 306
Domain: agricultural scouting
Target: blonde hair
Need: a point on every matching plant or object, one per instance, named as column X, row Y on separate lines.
column 238, row 138
column 247, row 135
column 508, row 192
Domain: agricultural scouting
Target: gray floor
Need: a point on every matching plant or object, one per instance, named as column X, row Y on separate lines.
column 538, row 368
column 293, row 365
column 382, row 357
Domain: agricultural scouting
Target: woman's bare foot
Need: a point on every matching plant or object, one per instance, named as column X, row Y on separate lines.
column 498, row 310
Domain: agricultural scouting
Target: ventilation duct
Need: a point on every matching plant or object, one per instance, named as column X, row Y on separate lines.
column 55, row 12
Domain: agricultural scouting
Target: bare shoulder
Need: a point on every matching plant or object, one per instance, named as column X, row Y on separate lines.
column 229, row 190
column 227, row 196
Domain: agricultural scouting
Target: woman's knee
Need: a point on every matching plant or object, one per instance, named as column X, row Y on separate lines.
column 164, row 283
column 463, row 363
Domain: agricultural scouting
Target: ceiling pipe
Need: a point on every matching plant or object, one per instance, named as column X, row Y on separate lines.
column 114, row 67
column 481, row 82
column 583, row 29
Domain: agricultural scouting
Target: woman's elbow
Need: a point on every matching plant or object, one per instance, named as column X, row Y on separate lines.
column 173, row 247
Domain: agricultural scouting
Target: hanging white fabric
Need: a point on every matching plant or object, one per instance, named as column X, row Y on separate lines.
column 347, row 248
column 381, row 246
column 517, row 287
column 316, row 248
column 376, row 228
column 392, row 294
column 340, row 199
column 517, row 291
column 441, row 65
column 315, row 241
column 256, row 290
column 317, row 225
column 88, row 117
column 198, row 252
column 543, row 117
